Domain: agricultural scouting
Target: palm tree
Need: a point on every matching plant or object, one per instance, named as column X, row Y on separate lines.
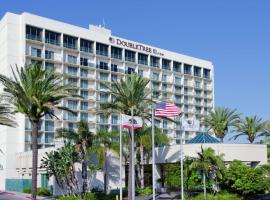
column 130, row 98
column 6, row 118
column 144, row 140
column 208, row 164
column 250, row 127
column 82, row 139
column 219, row 120
column 105, row 141
column 35, row 92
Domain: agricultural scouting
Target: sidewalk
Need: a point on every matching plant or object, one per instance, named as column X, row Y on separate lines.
column 17, row 195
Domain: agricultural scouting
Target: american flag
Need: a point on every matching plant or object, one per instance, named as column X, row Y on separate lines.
column 164, row 109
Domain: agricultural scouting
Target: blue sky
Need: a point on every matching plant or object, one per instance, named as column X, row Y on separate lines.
column 234, row 35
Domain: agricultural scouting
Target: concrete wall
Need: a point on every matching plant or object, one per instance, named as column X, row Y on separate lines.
column 256, row 153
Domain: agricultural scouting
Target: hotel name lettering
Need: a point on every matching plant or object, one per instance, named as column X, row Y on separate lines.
column 139, row 47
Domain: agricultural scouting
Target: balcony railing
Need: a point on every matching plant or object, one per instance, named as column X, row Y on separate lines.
column 104, row 67
column 86, row 49
column 69, row 45
column 52, row 41
column 116, row 56
column 102, row 53
column 34, row 37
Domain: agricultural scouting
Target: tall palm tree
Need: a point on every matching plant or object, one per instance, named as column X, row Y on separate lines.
column 105, row 141
column 220, row 119
column 82, row 139
column 144, row 140
column 208, row 164
column 250, row 127
column 130, row 95
column 6, row 117
column 35, row 92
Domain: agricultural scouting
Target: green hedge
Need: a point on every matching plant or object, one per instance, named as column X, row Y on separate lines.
column 219, row 196
column 44, row 192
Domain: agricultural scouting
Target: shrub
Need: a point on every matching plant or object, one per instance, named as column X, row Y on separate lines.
column 69, row 198
column 27, row 190
column 219, row 196
column 245, row 180
column 43, row 192
column 144, row 192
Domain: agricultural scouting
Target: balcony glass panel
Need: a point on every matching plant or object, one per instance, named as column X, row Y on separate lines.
column 52, row 38
column 142, row 59
column 84, row 84
column 33, row 33
column 154, row 61
column 116, row 53
column 130, row 56
column 176, row 66
column 49, row 55
column 86, row 46
column 70, row 42
column 187, row 69
column 49, row 126
column 101, row 49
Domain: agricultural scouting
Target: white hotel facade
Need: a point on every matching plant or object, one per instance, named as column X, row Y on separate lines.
column 90, row 58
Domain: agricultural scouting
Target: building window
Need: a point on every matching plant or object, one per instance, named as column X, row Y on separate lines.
column 197, row 84
column 206, row 73
column 155, row 86
column 84, row 105
column 101, row 49
column 71, row 59
column 130, row 56
column 33, row 33
column 49, row 55
column 155, row 76
column 84, row 61
column 72, row 104
column 140, row 72
column 72, row 116
column 154, row 61
column 84, row 117
column 84, row 94
column 103, row 97
column 156, row 94
column 103, row 76
column 72, row 71
column 187, row 69
column 114, row 119
column 114, row 77
column 49, row 65
column 49, row 126
column 86, row 46
column 35, row 52
column 103, row 65
column 116, row 53
column 197, row 71
column 166, row 64
column 84, row 73
column 52, row 38
column 114, row 67
column 70, row 42
column 176, row 66
column 177, row 80
column 164, row 77
column 142, row 59
column 84, row 84
column 130, row 70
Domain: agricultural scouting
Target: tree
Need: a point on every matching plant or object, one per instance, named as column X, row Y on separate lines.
column 82, row 139
column 144, row 140
column 219, row 121
column 130, row 98
column 105, row 141
column 35, row 92
column 60, row 164
column 245, row 180
column 210, row 165
column 250, row 127
column 6, row 117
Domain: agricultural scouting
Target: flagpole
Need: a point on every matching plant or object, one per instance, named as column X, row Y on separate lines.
column 181, row 162
column 153, row 154
column 132, row 156
column 121, row 195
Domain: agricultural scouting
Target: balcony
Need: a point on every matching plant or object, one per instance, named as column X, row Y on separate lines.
column 119, row 70
column 102, row 53
column 70, row 45
column 49, row 140
column 103, row 67
column 86, row 49
column 154, row 65
column 52, row 41
column 116, row 56
column 34, row 37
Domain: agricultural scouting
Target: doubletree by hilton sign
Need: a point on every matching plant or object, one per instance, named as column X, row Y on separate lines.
column 135, row 46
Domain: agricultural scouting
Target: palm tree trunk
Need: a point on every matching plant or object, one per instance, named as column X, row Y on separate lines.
column 142, row 166
column 84, row 176
column 105, row 173
column 130, row 171
column 204, row 186
column 34, row 159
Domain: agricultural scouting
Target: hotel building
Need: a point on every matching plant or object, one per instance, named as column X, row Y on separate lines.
column 91, row 58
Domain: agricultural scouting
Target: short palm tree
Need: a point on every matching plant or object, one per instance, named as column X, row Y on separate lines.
column 103, row 142
column 82, row 139
column 208, row 164
column 130, row 98
column 144, row 140
column 219, row 120
column 35, row 92
column 250, row 127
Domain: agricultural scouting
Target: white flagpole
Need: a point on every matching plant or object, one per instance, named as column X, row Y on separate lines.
column 181, row 162
column 153, row 154
column 132, row 156
column 121, row 195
